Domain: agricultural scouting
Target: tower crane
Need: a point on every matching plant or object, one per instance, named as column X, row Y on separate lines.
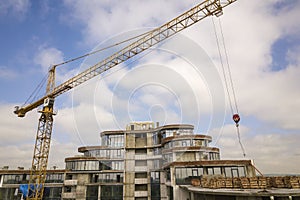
column 45, row 124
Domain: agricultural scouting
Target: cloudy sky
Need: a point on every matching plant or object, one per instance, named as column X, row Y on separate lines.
column 178, row 81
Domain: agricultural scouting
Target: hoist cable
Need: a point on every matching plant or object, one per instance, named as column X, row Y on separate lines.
column 228, row 67
column 102, row 49
column 222, row 65
column 232, row 87
column 35, row 92
column 239, row 137
column 226, row 81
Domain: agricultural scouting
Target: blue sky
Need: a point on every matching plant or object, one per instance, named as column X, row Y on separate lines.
column 178, row 81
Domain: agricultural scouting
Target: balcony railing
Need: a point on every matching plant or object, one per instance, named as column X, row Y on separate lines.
column 70, row 182
column 140, row 193
column 141, row 168
column 141, row 181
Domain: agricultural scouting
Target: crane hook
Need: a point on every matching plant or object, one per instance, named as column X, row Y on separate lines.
column 236, row 118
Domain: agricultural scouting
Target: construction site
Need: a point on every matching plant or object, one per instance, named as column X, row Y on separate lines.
column 145, row 160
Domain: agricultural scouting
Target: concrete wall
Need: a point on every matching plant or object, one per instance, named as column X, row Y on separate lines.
column 82, row 179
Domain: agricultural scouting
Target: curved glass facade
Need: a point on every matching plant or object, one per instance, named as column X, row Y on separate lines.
column 113, row 140
column 105, row 153
column 172, row 132
column 94, row 165
column 186, row 142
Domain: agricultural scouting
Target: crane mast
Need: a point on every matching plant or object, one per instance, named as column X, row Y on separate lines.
column 44, row 132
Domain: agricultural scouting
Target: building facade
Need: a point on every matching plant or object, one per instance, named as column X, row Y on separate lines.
column 132, row 163
column 143, row 162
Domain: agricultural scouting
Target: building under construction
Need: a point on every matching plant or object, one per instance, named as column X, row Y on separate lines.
column 147, row 161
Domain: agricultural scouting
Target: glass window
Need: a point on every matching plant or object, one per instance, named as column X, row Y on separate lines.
column 113, row 140
column 186, row 143
column 52, row 193
column 83, row 165
column 119, row 154
column 70, row 165
column 157, row 151
column 92, row 192
column 156, row 138
column 168, row 157
column 169, row 133
column 210, row 171
column 10, row 179
column 156, row 164
column 110, row 178
column 117, row 165
column 67, row 189
column 176, row 143
column 195, row 172
column 235, row 172
column 92, row 165
column 111, row 192
column 155, row 177
column 185, row 175
column 213, row 156
column 140, row 175
column 140, row 151
column 104, row 140
column 217, row 170
column 141, row 163
column 54, row 178
column 205, row 156
column 155, row 185
column 200, row 171
column 168, row 174
column 228, row 173
column 141, row 187
column 242, row 172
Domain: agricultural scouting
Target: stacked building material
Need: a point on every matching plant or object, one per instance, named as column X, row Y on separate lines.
column 245, row 183
column 295, row 182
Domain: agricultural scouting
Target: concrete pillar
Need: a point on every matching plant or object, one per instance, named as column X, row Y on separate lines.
column 99, row 192
column 192, row 196
column 1, row 180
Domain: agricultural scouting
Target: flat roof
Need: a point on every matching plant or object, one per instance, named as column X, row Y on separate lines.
column 243, row 192
column 26, row 171
column 216, row 163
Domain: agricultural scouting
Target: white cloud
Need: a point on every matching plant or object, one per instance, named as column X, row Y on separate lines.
column 150, row 82
column 103, row 19
column 6, row 73
column 48, row 56
column 16, row 8
column 250, row 29
column 272, row 152
column 59, row 151
column 18, row 138
column 15, row 130
column 18, row 156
